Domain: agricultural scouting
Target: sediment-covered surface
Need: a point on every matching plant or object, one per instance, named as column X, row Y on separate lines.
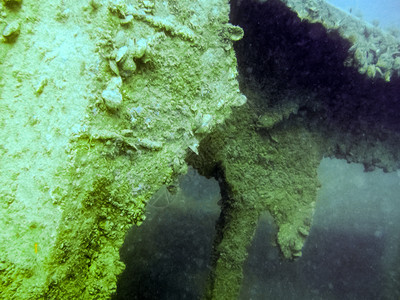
column 100, row 100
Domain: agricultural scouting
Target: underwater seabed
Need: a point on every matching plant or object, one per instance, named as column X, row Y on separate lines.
column 351, row 252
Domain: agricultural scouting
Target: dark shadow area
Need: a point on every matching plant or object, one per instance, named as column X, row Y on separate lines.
column 281, row 49
column 168, row 256
column 164, row 259
column 13, row 5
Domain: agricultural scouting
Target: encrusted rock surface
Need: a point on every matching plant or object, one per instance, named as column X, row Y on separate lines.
column 99, row 101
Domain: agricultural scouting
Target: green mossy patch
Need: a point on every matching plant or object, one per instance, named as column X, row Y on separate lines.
column 102, row 101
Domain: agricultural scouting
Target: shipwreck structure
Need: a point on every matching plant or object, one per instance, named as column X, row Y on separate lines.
column 104, row 102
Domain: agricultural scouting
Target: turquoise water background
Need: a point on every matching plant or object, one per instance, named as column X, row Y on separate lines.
column 387, row 12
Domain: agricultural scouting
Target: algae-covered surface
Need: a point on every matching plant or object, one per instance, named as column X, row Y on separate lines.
column 100, row 100
column 43, row 99
column 105, row 102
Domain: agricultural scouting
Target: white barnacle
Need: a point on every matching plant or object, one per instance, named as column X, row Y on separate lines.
column 112, row 98
column 128, row 19
column 121, row 53
column 140, row 48
column 240, row 100
column 11, row 30
column 236, row 33
column 114, row 83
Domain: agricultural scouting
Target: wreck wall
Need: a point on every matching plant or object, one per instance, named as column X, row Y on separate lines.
column 100, row 101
